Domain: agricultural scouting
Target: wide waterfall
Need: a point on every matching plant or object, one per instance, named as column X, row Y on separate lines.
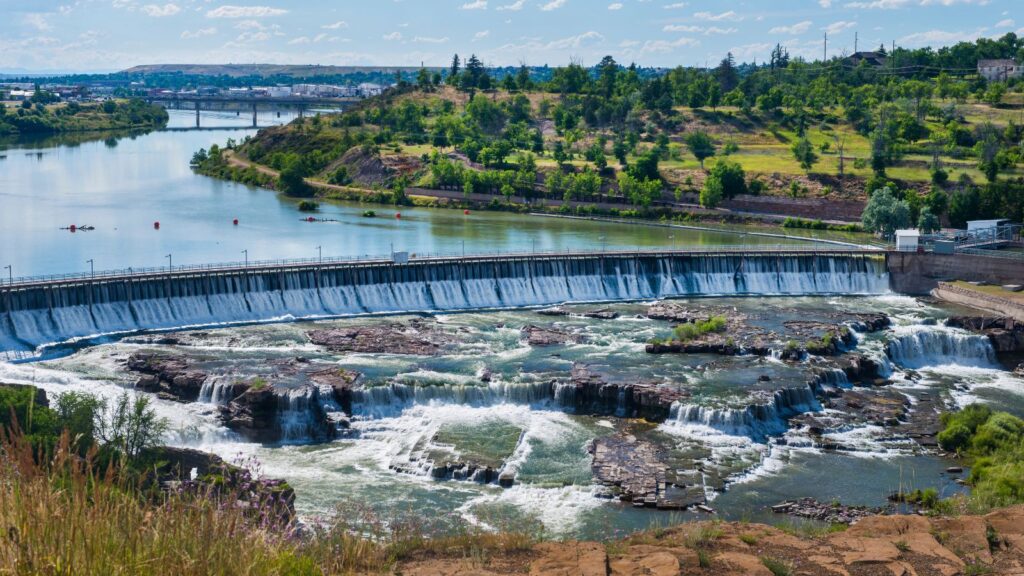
column 35, row 316
column 756, row 420
column 918, row 346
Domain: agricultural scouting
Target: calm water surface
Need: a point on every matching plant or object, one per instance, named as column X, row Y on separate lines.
column 122, row 185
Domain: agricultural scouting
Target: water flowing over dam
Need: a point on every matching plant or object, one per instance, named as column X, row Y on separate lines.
column 48, row 312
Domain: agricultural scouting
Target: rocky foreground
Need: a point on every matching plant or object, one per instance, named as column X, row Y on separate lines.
column 874, row 546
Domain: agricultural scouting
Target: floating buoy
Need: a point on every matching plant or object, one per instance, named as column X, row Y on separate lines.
column 156, row 225
column 72, row 228
column 466, row 212
column 398, row 215
column 310, row 219
column 235, row 221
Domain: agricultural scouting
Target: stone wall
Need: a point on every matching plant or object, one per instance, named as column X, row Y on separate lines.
column 915, row 273
column 979, row 300
column 810, row 208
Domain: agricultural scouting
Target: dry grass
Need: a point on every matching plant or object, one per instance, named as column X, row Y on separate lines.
column 65, row 517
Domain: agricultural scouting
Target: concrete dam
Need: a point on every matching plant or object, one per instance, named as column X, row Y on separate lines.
column 40, row 313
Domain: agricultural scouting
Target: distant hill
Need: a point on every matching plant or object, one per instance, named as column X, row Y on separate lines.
column 266, row 70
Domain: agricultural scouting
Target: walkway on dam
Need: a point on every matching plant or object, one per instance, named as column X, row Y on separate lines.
column 411, row 259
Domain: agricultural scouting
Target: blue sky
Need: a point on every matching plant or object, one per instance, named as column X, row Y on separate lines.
column 105, row 35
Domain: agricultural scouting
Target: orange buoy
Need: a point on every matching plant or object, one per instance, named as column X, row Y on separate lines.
column 466, row 212
column 398, row 215
column 235, row 221
column 72, row 228
column 156, row 225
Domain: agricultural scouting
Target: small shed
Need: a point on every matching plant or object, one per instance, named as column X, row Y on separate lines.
column 907, row 240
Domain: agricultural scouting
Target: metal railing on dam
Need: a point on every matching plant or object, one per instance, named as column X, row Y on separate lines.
column 39, row 311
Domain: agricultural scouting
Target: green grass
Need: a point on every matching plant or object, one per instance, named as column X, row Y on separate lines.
column 777, row 567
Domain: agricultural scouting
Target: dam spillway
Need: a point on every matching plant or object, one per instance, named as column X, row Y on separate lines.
column 45, row 312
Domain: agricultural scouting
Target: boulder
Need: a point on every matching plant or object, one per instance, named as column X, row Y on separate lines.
column 173, row 378
column 541, row 337
column 416, row 338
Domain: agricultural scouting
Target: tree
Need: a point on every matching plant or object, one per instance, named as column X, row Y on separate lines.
column 731, row 176
column 927, row 222
column 607, row 72
column 292, row 180
column 994, row 93
column 726, row 73
column 131, row 425
column 453, row 76
column 885, row 214
column 711, row 194
column 701, row 146
column 803, row 151
column 79, row 414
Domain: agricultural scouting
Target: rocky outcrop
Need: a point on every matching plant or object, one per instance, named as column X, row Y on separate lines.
column 587, row 392
column 873, row 546
column 170, row 377
column 601, row 314
column 633, row 471
column 541, row 337
column 1006, row 334
column 269, row 414
column 188, row 471
column 861, row 369
column 415, row 338
column 670, row 312
column 833, row 512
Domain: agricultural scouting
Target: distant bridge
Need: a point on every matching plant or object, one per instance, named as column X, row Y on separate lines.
column 200, row 102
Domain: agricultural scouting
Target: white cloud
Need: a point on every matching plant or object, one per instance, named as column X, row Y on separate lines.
column 38, row 21
column 661, row 46
column 615, row 6
column 940, row 37
column 676, row 6
column 825, row 3
column 795, row 29
column 158, row 11
column 879, row 4
column 430, row 40
column 682, row 28
column 837, row 27
column 228, row 11
column 513, row 7
column 712, row 30
column 1007, row 23
column 553, row 5
column 475, row 5
column 392, row 36
column 336, row 25
column 708, row 16
column 198, row 33
column 481, row 35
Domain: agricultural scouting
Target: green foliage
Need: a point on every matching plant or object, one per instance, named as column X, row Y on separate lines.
column 701, row 146
column 804, row 153
column 692, row 330
column 308, row 206
column 777, row 567
column 994, row 444
column 728, row 177
column 130, row 425
column 79, row 413
column 884, row 214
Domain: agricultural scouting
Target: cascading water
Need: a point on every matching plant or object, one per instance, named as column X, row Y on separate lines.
column 756, row 420
column 38, row 316
column 918, row 346
column 387, row 400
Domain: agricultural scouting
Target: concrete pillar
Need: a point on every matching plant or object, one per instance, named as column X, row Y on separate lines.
column 254, row 122
column 197, row 113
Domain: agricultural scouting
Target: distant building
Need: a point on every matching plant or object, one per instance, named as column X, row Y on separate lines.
column 367, row 89
column 871, row 58
column 999, row 70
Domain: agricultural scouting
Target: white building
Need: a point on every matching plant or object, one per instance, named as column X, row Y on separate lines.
column 907, row 240
column 999, row 70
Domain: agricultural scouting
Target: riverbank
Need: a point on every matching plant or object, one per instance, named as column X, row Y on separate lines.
column 76, row 118
column 237, row 168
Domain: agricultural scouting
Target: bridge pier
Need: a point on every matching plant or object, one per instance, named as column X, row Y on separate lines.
column 197, row 113
column 254, row 122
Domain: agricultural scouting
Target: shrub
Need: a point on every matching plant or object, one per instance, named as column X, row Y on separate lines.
column 308, row 206
column 955, row 438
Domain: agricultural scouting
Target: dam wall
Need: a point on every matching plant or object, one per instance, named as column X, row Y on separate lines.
column 50, row 312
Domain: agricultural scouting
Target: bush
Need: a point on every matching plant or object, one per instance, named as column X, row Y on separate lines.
column 308, row 206
column 955, row 438
column 691, row 330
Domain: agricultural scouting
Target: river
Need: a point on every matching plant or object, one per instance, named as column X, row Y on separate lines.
column 487, row 395
column 122, row 185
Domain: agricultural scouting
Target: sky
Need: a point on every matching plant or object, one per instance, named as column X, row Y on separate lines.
column 109, row 35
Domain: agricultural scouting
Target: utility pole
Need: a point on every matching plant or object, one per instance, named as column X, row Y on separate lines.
column 320, row 254
column 10, row 274
column 170, row 263
column 246, row 252
column 92, row 267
